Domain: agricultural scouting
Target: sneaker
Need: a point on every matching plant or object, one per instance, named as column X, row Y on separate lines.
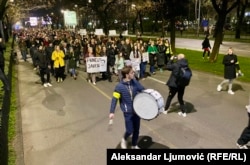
column 89, row 81
column 123, row 144
column 165, row 112
column 241, row 146
column 219, row 87
column 135, row 147
column 45, row 85
column 182, row 114
column 230, row 92
column 61, row 80
column 248, row 108
column 94, row 83
column 48, row 84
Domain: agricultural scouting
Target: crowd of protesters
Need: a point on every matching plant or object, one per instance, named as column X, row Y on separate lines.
column 66, row 50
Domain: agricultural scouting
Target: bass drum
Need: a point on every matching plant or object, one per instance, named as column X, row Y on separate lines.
column 148, row 104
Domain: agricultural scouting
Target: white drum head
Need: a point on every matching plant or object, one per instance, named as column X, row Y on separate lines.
column 145, row 106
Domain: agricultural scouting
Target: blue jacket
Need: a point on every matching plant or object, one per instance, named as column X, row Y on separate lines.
column 124, row 93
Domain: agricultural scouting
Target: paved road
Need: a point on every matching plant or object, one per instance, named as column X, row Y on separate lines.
column 68, row 122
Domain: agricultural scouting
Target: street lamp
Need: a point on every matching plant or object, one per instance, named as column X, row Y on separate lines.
column 77, row 14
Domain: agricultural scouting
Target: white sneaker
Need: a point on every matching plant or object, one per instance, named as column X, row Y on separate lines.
column 94, row 83
column 123, row 144
column 61, row 80
column 165, row 112
column 241, row 146
column 248, row 108
column 219, row 87
column 45, row 85
column 230, row 92
column 89, row 81
column 135, row 147
column 48, row 84
column 182, row 114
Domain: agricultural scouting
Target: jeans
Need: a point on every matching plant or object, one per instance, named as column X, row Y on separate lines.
column 143, row 66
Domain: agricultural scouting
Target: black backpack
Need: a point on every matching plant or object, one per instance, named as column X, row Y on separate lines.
column 184, row 77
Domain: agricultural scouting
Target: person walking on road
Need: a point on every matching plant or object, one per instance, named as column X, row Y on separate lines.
column 174, row 85
column 43, row 63
column 245, row 135
column 206, row 47
column 59, row 64
column 229, row 61
column 125, row 92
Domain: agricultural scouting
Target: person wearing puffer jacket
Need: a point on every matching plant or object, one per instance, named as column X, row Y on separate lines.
column 125, row 93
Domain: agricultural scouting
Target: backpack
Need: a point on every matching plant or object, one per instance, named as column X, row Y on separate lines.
column 185, row 74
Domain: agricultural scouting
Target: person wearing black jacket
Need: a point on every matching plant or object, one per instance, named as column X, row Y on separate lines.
column 43, row 63
column 206, row 47
column 173, row 84
column 229, row 61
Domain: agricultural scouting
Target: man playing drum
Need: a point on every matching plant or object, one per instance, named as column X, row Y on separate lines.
column 125, row 92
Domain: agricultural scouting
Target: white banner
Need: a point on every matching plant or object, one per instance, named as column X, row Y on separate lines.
column 99, row 32
column 145, row 57
column 135, row 63
column 96, row 64
column 82, row 32
column 112, row 33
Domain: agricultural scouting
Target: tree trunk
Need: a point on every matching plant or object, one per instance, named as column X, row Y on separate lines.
column 172, row 34
column 218, row 34
column 240, row 17
column 140, row 19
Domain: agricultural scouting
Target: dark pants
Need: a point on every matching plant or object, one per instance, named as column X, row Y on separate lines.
column 43, row 72
column 172, row 93
column 152, row 62
column 143, row 66
column 59, row 72
column 245, row 135
column 132, row 124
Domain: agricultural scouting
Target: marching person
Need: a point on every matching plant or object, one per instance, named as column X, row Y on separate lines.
column 229, row 61
column 59, row 64
column 174, row 86
column 43, row 63
column 124, row 93
column 245, row 135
